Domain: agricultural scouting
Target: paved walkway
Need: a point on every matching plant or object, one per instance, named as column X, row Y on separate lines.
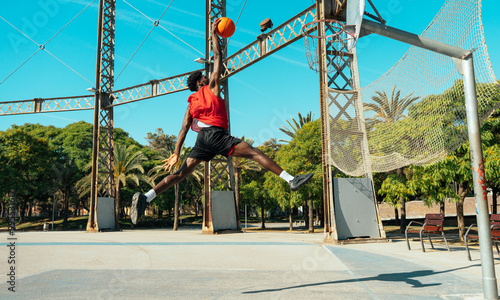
column 162, row 264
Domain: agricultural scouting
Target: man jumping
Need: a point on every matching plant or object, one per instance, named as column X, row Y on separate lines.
column 206, row 114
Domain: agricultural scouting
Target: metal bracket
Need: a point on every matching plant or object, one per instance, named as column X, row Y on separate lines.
column 458, row 65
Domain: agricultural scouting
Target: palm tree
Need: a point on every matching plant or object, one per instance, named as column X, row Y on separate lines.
column 126, row 164
column 388, row 110
column 296, row 125
column 64, row 180
column 240, row 164
column 159, row 172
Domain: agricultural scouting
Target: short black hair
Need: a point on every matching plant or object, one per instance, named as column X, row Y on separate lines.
column 193, row 81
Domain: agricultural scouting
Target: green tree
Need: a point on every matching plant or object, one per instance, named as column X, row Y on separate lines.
column 159, row 172
column 127, row 163
column 295, row 126
column 65, row 178
column 389, row 120
column 240, row 164
column 302, row 155
column 388, row 109
column 26, row 167
column 160, row 141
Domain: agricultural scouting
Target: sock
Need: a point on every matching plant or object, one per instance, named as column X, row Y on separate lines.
column 150, row 195
column 287, row 177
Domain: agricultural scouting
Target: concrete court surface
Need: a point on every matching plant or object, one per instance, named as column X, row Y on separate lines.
column 163, row 264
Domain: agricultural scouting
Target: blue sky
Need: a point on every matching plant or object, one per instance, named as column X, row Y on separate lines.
column 262, row 97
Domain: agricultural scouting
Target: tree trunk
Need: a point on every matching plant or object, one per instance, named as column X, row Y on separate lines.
column 462, row 192
column 317, row 215
column 21, row 213
column 29, row 210
column 237, row 189
column 305, row 214
column 396, row 216
column 441, row 208
column 2, row 209
column 402, row 226
column 118, row 206
column 160, row 213
column 176, row 206
column 66, row 208
column 196, row 202
column 311, row 215
column 290, row 219
column 262, row 217
column 321, row 216
column 494, row 199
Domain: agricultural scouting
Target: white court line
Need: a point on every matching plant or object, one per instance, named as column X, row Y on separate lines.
column 352, row 274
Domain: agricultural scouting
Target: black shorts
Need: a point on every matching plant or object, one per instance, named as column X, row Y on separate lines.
column 212, row 141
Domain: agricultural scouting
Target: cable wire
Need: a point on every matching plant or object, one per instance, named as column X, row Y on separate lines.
column 241, row 11
column 155, row 23
column 42, row 46
column 181, row 40
column 67, row 66
column 69, row 22
column 20, row 65
column 164, row 27
column 20, row 31
column 134, row 53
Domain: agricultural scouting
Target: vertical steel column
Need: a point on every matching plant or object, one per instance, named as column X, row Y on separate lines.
column 219, row 172
column 325, row 140
column 102, row 184
column 480, row 194
column 339, row 89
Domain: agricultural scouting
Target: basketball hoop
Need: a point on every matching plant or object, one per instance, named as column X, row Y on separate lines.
column 338, row 39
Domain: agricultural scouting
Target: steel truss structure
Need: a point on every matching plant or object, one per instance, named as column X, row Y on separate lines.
column 340, row 92
column 219, row 172
column 102, row 184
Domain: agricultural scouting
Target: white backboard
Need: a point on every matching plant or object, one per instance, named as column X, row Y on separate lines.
column 354, row 16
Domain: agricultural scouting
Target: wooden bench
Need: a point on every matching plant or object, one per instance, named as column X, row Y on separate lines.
column 433, row 224
column 495, row 233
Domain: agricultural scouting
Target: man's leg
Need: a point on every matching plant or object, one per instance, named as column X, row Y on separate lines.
column 140, row 200
column 244, row 150
column 169, row 180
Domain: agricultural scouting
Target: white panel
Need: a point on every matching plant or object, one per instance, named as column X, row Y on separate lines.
column 354, row 16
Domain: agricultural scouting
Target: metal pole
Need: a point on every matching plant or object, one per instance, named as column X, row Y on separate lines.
column 53, row 209
column 413, row 39
column 246, row 226
column 476, row 153
column 91, row 224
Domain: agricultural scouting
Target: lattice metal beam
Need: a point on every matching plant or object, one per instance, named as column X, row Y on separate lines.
column 268, row 43
column 40, row 105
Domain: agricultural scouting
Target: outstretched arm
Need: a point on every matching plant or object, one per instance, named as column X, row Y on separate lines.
column 216, row 72
column 172, row 160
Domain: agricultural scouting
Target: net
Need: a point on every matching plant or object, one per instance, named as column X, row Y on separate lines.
column 336, row 37
column 415, row 113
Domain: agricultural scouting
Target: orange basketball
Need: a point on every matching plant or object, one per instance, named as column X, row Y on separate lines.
column 225, row 28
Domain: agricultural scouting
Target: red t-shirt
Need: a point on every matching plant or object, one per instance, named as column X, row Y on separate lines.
column 208, row 108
